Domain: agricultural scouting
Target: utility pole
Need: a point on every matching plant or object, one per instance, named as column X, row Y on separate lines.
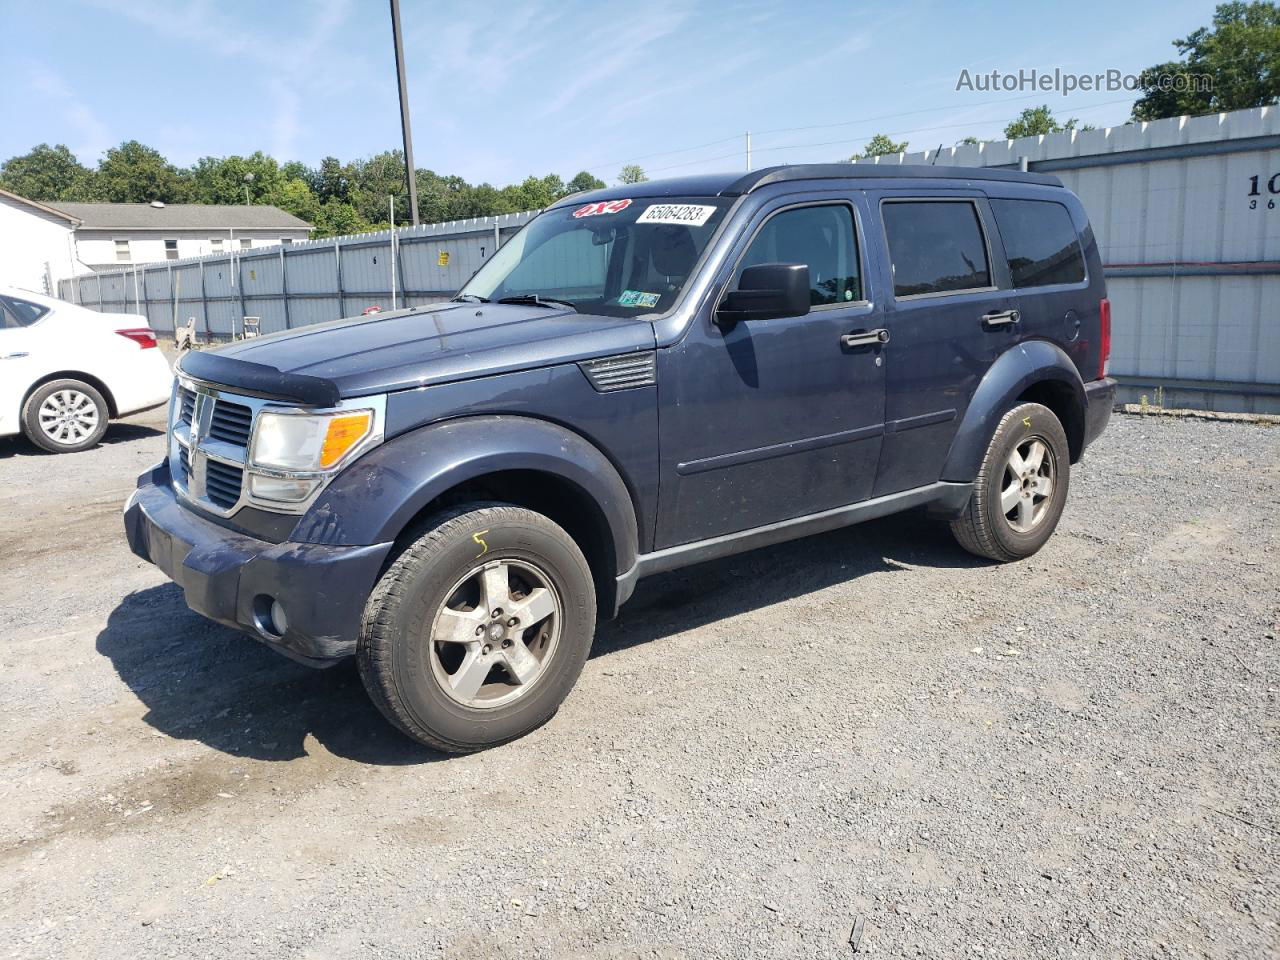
column 410, row 173
column 748, row 151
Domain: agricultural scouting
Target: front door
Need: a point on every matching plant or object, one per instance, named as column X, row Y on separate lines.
column 775, row 419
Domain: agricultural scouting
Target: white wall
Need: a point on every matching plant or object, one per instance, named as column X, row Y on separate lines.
column 30, row 239
column 98, row 247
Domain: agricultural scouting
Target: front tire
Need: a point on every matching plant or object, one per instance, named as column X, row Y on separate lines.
column 479, row 628
column 65, row 416
column 1021, row 488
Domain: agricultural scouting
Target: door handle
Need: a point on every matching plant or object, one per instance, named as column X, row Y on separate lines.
column 1001, row 318
column 13, row 356
column 865, row 338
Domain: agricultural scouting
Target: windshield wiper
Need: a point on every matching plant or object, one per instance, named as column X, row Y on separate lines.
column 538, row 301
column 469, row 298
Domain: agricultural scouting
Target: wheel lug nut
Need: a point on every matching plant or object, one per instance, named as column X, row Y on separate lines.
column 496, row 613
column 486, row 649
column 506, row 643
column 480, row 631
column 512, row 622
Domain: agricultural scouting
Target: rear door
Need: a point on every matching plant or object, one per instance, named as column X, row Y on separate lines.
column 1046, row 262
column 775, row 419
column 949, row 316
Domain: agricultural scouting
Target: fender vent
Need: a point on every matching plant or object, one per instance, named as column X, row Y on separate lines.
column 621, row 373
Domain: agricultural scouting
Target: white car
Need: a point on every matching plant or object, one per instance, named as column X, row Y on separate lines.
column 65, row 371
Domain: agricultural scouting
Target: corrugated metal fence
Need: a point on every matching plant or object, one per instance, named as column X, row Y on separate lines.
column 1187, row 216
column 301, row 283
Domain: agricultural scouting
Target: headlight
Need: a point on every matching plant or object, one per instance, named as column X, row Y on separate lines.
column 291, row 441
column 291, row 452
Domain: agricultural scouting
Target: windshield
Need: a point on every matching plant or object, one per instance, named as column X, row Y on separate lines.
column 620, row 258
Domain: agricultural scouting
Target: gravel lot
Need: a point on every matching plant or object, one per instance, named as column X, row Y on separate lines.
column 1073, row 756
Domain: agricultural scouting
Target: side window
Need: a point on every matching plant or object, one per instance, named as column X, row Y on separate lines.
column 171, row 249
column 822, row 237
column 15, row 313
column 935, row 246
column 1040, row 242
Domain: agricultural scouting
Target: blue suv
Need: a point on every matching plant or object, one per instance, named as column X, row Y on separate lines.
column 643, row 378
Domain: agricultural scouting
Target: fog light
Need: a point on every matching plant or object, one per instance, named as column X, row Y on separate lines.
column 279, row 622
column 280, row 489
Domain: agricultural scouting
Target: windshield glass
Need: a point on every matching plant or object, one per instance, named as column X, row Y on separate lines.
column 620, row 258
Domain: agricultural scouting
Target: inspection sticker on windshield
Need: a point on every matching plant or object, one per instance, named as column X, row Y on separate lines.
column 689, row 214
column 604, row 206
column 637, row 298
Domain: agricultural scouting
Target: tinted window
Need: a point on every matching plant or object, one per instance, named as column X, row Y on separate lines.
column 16, row 313
column 935, row 247
column 823, row 238
column 1040, row 242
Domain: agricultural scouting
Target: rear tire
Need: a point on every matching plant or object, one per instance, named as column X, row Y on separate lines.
column 1021, row 488
column 65, row 416
column 479, row 627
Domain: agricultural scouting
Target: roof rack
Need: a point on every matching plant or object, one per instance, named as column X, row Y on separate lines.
column 876, row 171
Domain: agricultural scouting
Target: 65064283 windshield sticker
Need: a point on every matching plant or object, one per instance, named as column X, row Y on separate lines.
column 687, row 214
column 604, row 206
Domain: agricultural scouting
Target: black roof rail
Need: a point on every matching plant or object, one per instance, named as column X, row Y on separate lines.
column 877, row 171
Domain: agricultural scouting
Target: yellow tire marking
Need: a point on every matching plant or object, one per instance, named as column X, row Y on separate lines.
column 478, row 537
column 1026, row 422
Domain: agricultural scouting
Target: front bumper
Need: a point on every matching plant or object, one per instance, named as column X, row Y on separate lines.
column 1100, row 399
column 232, row 578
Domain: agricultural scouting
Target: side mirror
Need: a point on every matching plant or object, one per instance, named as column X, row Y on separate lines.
column 765, row 291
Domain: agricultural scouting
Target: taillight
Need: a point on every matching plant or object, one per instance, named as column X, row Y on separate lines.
column 143, row 337
column 1104, row 337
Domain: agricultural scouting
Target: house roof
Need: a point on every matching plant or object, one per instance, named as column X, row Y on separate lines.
column 42, row 207
column 181, row 216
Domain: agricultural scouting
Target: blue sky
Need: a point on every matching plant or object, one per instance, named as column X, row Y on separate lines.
column 501, row 90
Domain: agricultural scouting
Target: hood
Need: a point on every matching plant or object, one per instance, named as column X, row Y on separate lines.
column 438, row 343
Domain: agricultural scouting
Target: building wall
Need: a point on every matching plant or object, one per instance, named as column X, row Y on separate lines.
column 34, row 246
column 98, row 247
column 1190, row 241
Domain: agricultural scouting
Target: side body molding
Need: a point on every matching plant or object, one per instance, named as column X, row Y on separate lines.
column 1014, row 372
column 382, row 491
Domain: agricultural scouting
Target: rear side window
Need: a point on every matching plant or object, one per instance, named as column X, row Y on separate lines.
column 1040, row 242
column 935, row 246
column 15, row 313
column 821, row 237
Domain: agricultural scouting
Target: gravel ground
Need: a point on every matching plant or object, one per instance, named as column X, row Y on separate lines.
column 1071, row 756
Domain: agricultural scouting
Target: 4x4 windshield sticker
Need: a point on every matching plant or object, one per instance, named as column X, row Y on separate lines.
column 635, row 298
column 604, row 206
column 688, row 214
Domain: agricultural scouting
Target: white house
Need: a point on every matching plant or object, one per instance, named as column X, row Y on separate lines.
column 37, row 244
column 110, row 235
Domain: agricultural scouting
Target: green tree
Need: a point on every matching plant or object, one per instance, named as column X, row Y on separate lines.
column 47, row 173
column 632, row 173
column 134, row 173
column 296, row 197
column 1036, row 121
column 585, row 181
column 222, row 179
column 332, row 181
column 336, row 218
column 968, row 142
column 879, row 145
column 1233, row 65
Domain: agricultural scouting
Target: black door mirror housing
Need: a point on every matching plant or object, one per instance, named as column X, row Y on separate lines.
column 765, row 291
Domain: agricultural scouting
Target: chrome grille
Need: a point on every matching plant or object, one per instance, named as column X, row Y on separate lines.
column 184, row 461
column 231, row 423
column 222, row 483
column 186, row 406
